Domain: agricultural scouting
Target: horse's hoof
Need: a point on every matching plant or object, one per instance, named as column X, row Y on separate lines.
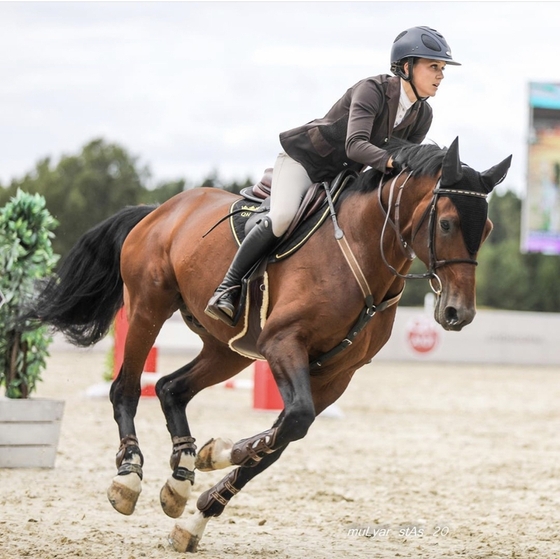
column 172, row 502
column 123, row 496
column 182, row 540
column 186, row 537
column 214, row 455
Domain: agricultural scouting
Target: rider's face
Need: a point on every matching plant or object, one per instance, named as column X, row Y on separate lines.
column 427, row 76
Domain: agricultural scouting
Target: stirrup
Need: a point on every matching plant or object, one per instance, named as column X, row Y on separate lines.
column 216, row 312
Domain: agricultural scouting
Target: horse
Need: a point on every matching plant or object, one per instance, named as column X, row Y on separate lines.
column 330, row 307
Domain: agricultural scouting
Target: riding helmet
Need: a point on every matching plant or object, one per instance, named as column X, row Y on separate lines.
column 419, row 42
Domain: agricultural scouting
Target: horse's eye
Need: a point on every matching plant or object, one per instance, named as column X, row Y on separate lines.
column 445, row 225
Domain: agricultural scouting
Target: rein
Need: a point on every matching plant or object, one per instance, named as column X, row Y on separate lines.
column 370, row 308
column 430, row 212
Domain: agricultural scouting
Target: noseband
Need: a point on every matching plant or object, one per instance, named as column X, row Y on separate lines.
column 431, row 214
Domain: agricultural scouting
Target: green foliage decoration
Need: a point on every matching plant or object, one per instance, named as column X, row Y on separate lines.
column 26, row 255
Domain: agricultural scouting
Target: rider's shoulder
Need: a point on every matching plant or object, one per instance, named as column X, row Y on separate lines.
column 383, row 83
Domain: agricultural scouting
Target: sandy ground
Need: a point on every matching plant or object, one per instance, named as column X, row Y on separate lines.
column 428, row 461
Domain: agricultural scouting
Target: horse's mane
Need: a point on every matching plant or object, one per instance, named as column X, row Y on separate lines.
column 423, row 159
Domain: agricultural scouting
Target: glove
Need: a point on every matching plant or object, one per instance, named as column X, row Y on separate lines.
column 397, row 166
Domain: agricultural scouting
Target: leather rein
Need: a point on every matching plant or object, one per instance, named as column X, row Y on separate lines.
column 431, row 213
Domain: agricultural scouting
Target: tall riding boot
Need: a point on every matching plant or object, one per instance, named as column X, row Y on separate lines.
column 259, row 240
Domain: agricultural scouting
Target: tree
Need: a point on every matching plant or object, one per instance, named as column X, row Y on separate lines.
column 82, row 190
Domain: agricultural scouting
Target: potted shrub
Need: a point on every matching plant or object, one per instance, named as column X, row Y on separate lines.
column 29, row 427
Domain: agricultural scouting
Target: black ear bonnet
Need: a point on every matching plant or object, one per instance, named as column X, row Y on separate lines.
column 472, row 210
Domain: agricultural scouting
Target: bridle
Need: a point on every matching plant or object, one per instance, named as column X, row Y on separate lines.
column 431, row 213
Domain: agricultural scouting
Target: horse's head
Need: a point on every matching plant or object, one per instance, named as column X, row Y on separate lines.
column 447, row 227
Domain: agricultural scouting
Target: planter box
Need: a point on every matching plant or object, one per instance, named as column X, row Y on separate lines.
column 29, row 432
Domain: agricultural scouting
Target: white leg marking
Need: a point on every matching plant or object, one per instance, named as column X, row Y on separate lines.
column 214, row 455
column 131, row 481
column 221, row 454
column 186, row 535
column 182, row 487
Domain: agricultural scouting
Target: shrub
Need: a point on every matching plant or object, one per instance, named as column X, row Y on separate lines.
column 26, row 255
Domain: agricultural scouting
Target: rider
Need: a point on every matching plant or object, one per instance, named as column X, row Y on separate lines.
column 350, row 136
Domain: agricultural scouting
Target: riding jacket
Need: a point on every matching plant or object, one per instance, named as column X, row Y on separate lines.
column 352, row 134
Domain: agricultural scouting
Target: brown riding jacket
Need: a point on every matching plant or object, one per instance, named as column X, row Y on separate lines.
column 352, row 134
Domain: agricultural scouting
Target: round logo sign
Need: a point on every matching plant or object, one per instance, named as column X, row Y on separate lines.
column 423, row 334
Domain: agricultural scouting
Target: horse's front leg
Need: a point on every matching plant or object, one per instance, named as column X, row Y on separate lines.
column 253, row 454
column 126, row 486
column 186, row 534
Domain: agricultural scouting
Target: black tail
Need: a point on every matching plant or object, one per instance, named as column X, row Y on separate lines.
column 83, row 298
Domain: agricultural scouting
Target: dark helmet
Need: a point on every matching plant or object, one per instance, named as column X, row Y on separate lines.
column 419, row 42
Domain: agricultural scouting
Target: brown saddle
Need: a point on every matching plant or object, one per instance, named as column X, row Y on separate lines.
column 313, row 199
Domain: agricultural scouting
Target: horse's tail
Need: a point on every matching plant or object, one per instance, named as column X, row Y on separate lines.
column 82, row 299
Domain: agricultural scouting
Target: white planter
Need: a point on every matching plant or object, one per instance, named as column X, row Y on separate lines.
column 29, row 432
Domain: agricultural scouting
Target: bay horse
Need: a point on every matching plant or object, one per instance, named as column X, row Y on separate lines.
column 331, row 307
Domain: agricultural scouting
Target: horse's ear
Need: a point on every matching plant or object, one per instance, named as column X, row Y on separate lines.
column 452, row 171
column 495, row 175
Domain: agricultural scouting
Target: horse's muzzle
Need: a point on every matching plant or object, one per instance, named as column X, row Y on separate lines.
column 453, row 318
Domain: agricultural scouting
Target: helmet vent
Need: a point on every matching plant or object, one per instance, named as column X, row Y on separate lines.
column 431, row 43
column 400, row 36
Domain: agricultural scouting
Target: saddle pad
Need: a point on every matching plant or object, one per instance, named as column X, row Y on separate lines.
column 256, row 308
column 241, row 210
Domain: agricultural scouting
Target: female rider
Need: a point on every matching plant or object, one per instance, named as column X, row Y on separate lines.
column 350, row 136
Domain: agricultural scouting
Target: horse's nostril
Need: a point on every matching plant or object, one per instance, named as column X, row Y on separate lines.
column 451, row 315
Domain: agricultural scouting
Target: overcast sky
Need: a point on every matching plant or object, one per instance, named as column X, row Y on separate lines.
column 192, row 87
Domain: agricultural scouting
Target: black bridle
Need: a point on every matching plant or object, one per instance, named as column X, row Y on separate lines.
column 430, row 213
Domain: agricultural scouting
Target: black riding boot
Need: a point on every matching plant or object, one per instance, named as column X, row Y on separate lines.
column 259, row 240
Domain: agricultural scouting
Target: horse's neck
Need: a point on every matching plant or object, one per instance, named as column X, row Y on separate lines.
column 362, row 221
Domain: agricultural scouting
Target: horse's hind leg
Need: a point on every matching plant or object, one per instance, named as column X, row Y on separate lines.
column 215, row 364
column 144, row 325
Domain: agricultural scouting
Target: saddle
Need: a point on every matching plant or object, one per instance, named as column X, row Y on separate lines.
column 244, row 214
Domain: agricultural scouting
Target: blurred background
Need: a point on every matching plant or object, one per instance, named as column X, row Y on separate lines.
column 106, row 104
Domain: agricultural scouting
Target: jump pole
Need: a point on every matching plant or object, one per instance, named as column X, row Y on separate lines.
column 149, row 376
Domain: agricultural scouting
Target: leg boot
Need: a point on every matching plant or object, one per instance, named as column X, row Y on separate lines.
column 257, row 243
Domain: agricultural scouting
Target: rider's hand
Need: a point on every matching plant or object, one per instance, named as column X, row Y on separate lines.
column 394, row 166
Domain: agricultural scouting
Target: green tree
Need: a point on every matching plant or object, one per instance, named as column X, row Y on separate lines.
column 162, row 192
column 84, row 189
column 504, row 211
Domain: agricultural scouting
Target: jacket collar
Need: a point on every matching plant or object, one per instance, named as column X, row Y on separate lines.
column 393, row 94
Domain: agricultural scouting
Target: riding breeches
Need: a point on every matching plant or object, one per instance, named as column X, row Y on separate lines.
column 290, row 182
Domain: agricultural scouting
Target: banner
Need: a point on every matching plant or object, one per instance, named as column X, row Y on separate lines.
column 541, row 211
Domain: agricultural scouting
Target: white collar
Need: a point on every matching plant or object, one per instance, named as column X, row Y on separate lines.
column 404, row 104
column 404, row 100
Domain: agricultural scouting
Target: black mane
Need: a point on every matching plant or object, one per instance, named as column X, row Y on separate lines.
column 423, row 159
